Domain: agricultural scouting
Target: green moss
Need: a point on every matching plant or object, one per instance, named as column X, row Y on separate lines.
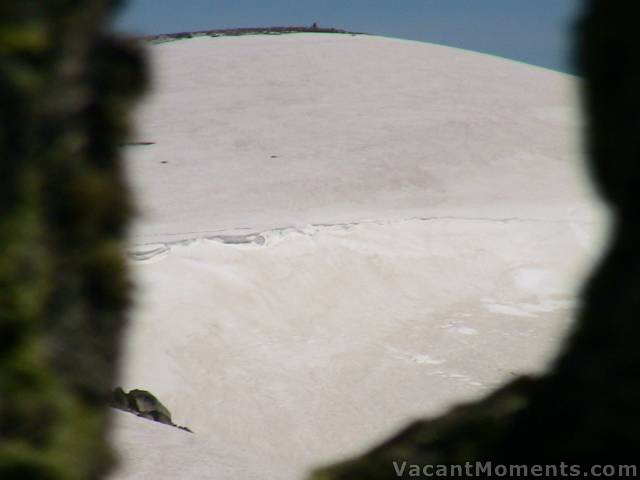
column 26, row 37
column 65, row 90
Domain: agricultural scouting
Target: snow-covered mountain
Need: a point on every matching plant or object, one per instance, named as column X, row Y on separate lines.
column 337, row 234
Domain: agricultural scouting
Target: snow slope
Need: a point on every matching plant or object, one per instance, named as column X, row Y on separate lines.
column 338, row 234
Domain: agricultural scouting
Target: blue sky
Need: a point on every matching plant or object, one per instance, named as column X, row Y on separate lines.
column 532, row 31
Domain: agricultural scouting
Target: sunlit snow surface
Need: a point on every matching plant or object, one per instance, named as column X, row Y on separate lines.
column 338, row 234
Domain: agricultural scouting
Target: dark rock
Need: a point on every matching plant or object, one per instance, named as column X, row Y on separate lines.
column 119, row 399
column 143, row 404
column 234, row 32
column 136, row 144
